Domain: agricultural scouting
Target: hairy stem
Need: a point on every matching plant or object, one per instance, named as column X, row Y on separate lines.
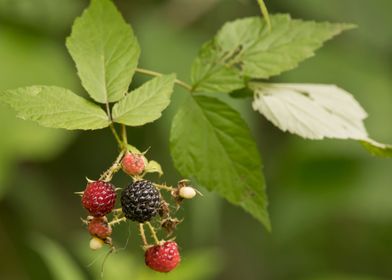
column 117, row 221
column 163, row 187
column 142, row 234
column 153, row 233
column 157, row 74
column 108, row 174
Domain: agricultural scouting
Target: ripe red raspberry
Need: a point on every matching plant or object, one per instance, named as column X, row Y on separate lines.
column 163, row 258
column 100, row 228
column 133, row 164
column 99, row 198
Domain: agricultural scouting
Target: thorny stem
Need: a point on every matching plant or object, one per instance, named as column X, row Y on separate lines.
column 107, row 175
column 142, row 234
column 157, row 74
column 117, row 221
column 163, row 187
column 117, row 211
column 153, row 233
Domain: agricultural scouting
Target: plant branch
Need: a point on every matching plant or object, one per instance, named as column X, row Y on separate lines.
column 120, row 143
column 142, row 234
column 163, row 187
column 153, row 233
column 117, row 221
column 108, row 174
column 157, row 74
column 124, row 135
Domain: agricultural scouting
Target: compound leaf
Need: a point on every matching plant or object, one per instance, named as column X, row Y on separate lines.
column 211, row 144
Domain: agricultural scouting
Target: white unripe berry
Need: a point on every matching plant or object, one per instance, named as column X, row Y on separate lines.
column 187, row 192
column 96, row 243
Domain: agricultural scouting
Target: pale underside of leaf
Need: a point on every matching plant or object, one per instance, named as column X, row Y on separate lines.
column 146, row 103
column 55, row 107
column 377, row 149
column 105, row 51
column 311, row 111
column 315, row 112
column 211, row 144
column 249, row 49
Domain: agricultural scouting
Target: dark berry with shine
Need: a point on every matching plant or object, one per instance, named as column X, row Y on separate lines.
column 140, row 201
column 99, row 198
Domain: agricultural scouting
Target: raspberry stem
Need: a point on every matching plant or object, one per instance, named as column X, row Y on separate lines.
column 157, row 74
column 124, row 135
column 116, row 166
column 119, row 142
column 153, row 233
column 163, row 187
column 142, row 234
column 117, row 211
column 116, row 221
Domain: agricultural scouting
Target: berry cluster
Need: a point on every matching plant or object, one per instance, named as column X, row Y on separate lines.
column 141, row 202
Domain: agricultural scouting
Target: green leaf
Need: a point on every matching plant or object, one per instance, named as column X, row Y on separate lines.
column 55, row 107
column 146, row 103
column 133, row 149
column 105, row 51
column 245, row 48
column 153, row 167
column 211, row 144
column 210, row 74
column 377, row 149
column 311, row 111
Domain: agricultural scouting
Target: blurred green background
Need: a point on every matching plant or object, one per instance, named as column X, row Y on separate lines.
column 330, row 202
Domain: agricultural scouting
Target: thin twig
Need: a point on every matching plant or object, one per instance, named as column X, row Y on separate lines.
column 112, row 249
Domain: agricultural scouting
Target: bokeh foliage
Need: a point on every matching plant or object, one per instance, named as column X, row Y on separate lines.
column 330, row 201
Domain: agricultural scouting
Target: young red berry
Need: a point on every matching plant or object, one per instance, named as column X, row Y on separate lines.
column 100, row 228
column 163, row 258
column 99, row 198
column 133, row 164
